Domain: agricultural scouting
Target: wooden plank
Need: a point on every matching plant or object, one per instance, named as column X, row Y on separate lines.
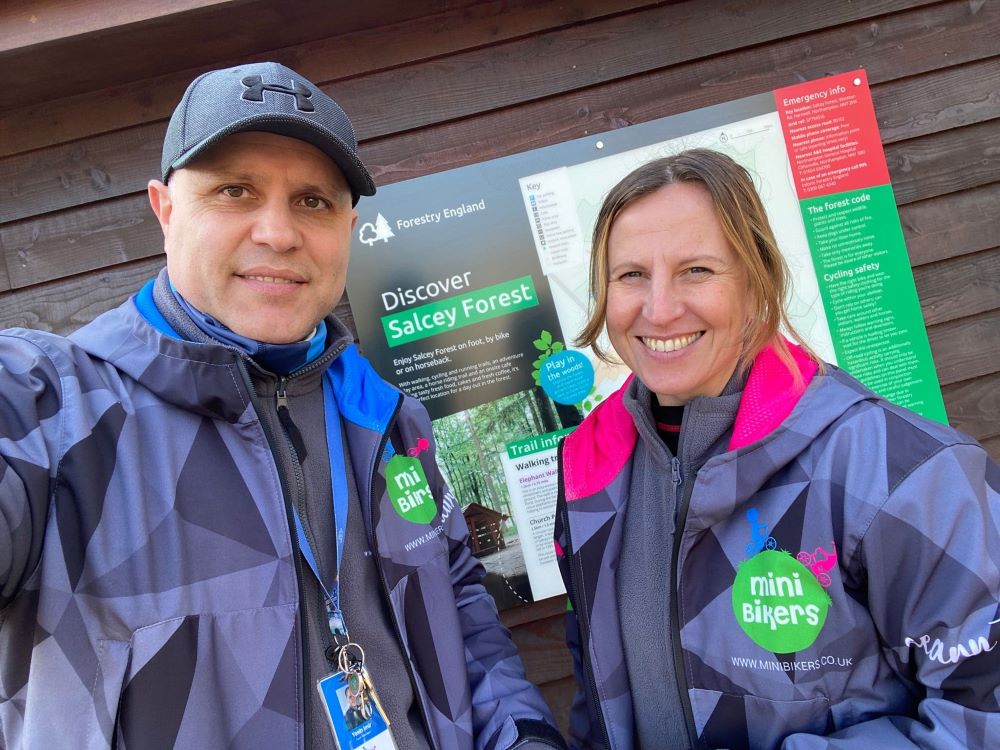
column 123, row 161
column 473, row 82
column 950, row 225
column 959, row 287
column 941, row 100
column 80, row 240
column 992, row 446
column 967, row 348
column 974, row 407
column 559, row 696
column 117, row 163
column 130, row 51
column 89, row 170
column 27, row 23
column 542, row 645
column 416, row 32
column 948, row 31
column 4, row 278
column 64, row 306
column 554, row 606
column 924, row 167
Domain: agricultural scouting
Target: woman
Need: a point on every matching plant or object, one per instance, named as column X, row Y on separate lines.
column 759, row 551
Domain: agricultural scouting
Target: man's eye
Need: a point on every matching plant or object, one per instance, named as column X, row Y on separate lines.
column 234, row 191
column 314, row 201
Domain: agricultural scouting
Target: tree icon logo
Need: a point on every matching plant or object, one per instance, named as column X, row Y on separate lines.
column 380, row 230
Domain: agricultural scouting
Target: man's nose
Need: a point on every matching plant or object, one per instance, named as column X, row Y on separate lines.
column 275, row 226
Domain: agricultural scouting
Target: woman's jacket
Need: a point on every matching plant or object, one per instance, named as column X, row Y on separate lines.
column 838, row 574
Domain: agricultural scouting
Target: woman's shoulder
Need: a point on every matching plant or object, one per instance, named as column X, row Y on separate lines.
column 870, row 428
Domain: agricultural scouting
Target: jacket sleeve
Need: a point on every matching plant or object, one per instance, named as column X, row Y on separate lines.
column 507, row 710
column 582, row 724
column 29, row 436
column 932, row 560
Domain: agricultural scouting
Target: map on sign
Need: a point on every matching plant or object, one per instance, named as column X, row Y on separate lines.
column 562, row 206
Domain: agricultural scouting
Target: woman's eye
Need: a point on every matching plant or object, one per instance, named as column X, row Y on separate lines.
column 698, row 270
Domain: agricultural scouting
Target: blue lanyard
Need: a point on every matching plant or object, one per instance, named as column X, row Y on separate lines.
column 338, row 481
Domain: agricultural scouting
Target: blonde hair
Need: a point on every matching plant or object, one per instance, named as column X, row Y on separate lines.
column 744, row 223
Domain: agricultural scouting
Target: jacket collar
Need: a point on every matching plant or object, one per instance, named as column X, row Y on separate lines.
column 595, row 453
column 205, row 378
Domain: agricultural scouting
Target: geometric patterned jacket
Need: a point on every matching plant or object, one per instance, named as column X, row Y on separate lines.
column 837, row 575
column 148, row 577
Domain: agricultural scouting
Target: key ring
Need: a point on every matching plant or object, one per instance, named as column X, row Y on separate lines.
column 345, row 660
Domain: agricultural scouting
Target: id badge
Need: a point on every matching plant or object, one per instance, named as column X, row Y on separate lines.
column 354, row 712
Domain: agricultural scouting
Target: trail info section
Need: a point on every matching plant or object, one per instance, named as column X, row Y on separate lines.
column 468, row 285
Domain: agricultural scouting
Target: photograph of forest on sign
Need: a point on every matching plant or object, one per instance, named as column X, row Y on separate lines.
column 470, row 447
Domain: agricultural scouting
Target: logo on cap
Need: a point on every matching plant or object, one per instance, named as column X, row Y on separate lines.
column 255, row 88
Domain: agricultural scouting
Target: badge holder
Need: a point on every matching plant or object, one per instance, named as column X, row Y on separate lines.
column 352, row 706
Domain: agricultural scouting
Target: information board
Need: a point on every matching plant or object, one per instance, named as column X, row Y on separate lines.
column 467, row 287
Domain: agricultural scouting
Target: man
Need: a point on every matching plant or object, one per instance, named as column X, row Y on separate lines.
column 206, row 503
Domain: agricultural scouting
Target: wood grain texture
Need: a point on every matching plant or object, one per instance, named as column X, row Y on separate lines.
column 127, row 48
column 992, row 446
column 952, row 225
column 630, row 44
column 118, row 163
column 80, row 239
column 923, row 167
column 966, row 348
column 941, row 100
column 29, row 23
column 973, row 407
column 895, row 46
column 64, row 306
column 121, row 162
column 959, row 287
column 542, row 645
column 554, row 606
column 402, row 36
column 559, row 695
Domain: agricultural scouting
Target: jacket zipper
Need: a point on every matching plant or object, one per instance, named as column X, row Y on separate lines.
column 584, row 625
column 675, row 627
column 296, row 552
column 381, row 573
column 272, row 440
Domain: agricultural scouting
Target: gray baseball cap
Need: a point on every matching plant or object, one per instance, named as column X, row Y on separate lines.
column 263, row 97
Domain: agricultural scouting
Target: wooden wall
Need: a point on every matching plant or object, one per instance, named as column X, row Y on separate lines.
column 436, row 84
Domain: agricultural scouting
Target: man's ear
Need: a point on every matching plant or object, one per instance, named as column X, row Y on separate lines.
column 159, row 201
column 354, row 218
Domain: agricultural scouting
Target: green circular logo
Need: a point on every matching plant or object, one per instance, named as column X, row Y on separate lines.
column 778, row 602
column 408, row 489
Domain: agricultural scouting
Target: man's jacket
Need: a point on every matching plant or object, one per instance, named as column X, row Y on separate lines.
column 838, row 573
column 149, row 583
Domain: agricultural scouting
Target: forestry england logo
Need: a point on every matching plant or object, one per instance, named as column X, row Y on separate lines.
column 778, row 602
column 370, row 233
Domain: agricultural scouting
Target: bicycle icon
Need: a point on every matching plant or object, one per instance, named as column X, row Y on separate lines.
column 759, row 538
column 820, row 562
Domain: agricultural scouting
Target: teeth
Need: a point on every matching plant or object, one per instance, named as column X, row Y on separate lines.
column 670, row 345
column 271, row 279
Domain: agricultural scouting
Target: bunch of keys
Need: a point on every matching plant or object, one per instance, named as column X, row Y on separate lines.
column 360, row 691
